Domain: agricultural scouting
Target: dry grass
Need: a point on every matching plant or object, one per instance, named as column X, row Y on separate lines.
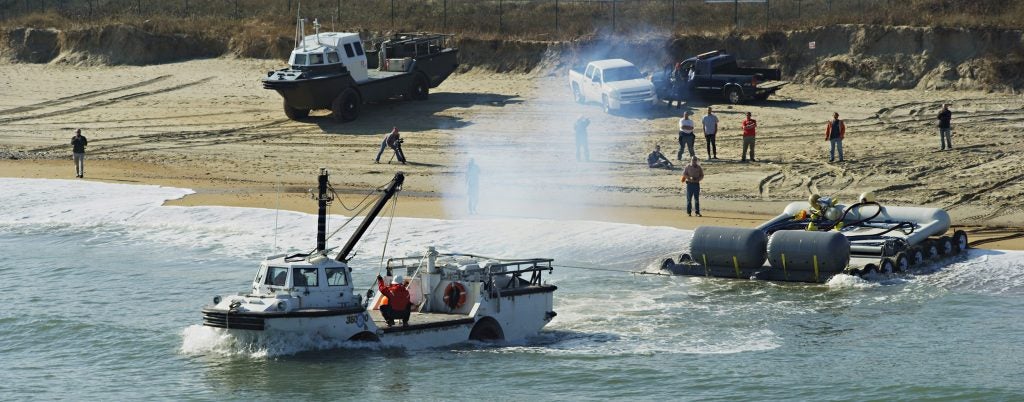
column 522, row 19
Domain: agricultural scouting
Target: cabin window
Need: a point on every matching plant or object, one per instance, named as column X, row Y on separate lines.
column 359, row 48
column 332, row 57
column 276, row 276
column 304, row 277
column 300, row 60
column 316, row 58
column 336, row 277
column 348, row 51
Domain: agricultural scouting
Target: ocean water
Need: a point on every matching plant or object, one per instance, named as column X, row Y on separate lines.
column 104, row 286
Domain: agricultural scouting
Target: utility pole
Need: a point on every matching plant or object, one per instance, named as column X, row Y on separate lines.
column 556, row 17
column 445, row 16
column 613, row 16
column 736, row 14
column 499, row 16
column 673, row 15
column 392, row 14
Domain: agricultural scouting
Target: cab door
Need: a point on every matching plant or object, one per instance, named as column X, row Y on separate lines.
column 592, row 86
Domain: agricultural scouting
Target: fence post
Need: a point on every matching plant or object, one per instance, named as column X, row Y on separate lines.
column 613, row 16
column 673, row 27
column 499, row 16
column 392, row 14
column 337, row 12
column 736, row 14
column 556, row 18
column 445, row 24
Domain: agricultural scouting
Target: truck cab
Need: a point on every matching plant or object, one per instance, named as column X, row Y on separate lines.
column 326, row 51
column 615, row 83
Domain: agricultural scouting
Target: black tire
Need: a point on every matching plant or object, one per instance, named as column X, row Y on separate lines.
column 960, row 241
column 486, row 330
column 886, row 266
column 931, row 250
column 577, row 95
column 667, row 263
column 420, row 88
column 733, row 95
column 605, row 105
column 346, row 106
column 294, row 113
column 916, row 256
column 901, row 262
column 684, row 257
column 868, row 270
column 945, row 246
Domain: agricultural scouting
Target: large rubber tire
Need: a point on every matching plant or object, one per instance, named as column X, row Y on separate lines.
column 577, row 95
column 917, row 255
column 901, row 261
column 346, row 106
column 960, row 241
column 294, row 113
column 931, row 250
column 886, row 266
column 945, row 246
column 486, row 330
column 868, row 270
column 667, row 263
column 733, row 96
column 420, row 88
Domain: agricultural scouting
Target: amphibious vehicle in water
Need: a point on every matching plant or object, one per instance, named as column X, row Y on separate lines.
column 334, row 70
column 454, row 297
column 812, row 243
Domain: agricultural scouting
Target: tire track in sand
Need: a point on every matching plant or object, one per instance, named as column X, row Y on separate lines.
column 105, row 102
column 81, row 96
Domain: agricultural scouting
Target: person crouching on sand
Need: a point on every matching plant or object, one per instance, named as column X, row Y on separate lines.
column 656, row 159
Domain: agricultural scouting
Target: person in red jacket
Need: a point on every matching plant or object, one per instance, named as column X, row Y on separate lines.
column 749, row 132
column 835, row 130
column 398, row 306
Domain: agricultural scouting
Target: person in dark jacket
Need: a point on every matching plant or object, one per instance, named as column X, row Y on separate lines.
column 394, row 141
column 657, row 159
column 580, row 127
column 398, row 306
column 78, row 143
column 945, row 129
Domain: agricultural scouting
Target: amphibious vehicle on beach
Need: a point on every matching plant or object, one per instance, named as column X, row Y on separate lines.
column 812, row 243
column 334, row 70
column 455, row 297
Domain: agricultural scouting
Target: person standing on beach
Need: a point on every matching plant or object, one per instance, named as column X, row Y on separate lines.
column 472, row 185
column 581, row 138
column 835, row 130
column 686, row 136
column 78, row 143
column 692, row 175
column 749, row 133
column 710, row 125
column 394, row 141
column 945, row 129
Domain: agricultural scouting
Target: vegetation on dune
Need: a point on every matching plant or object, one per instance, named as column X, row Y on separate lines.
column 487, row 19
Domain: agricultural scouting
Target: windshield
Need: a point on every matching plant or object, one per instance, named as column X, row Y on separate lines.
column 621, row 74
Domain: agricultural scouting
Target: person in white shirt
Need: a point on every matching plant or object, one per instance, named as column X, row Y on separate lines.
column 686, row 136
column 710, row 123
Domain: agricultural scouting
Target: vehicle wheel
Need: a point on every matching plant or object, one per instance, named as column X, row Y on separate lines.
column 901, row 262
column 867, row 270
column 487, row 329
column 295, row 114
column 667, row 263
column 960, row 241
column 732, row 94
column 346, row 105
column 886, row 266
column 684, row 257
column 577, row 95
column 945, row 246
column 931, row 250
column 916, row 256
column 604, row 104
column 420, row 88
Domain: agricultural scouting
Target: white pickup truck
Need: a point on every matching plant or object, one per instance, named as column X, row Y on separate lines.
column 616, row 83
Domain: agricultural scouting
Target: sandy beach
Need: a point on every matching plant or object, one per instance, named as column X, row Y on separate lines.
column 209, row 126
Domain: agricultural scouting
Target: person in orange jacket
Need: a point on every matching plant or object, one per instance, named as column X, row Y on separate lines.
column 835, row 130
column 399, row 305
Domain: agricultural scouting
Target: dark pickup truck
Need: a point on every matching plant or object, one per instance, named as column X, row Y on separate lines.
column 713, row 74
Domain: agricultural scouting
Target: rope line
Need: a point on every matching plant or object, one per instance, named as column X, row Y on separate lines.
column 611, row 270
